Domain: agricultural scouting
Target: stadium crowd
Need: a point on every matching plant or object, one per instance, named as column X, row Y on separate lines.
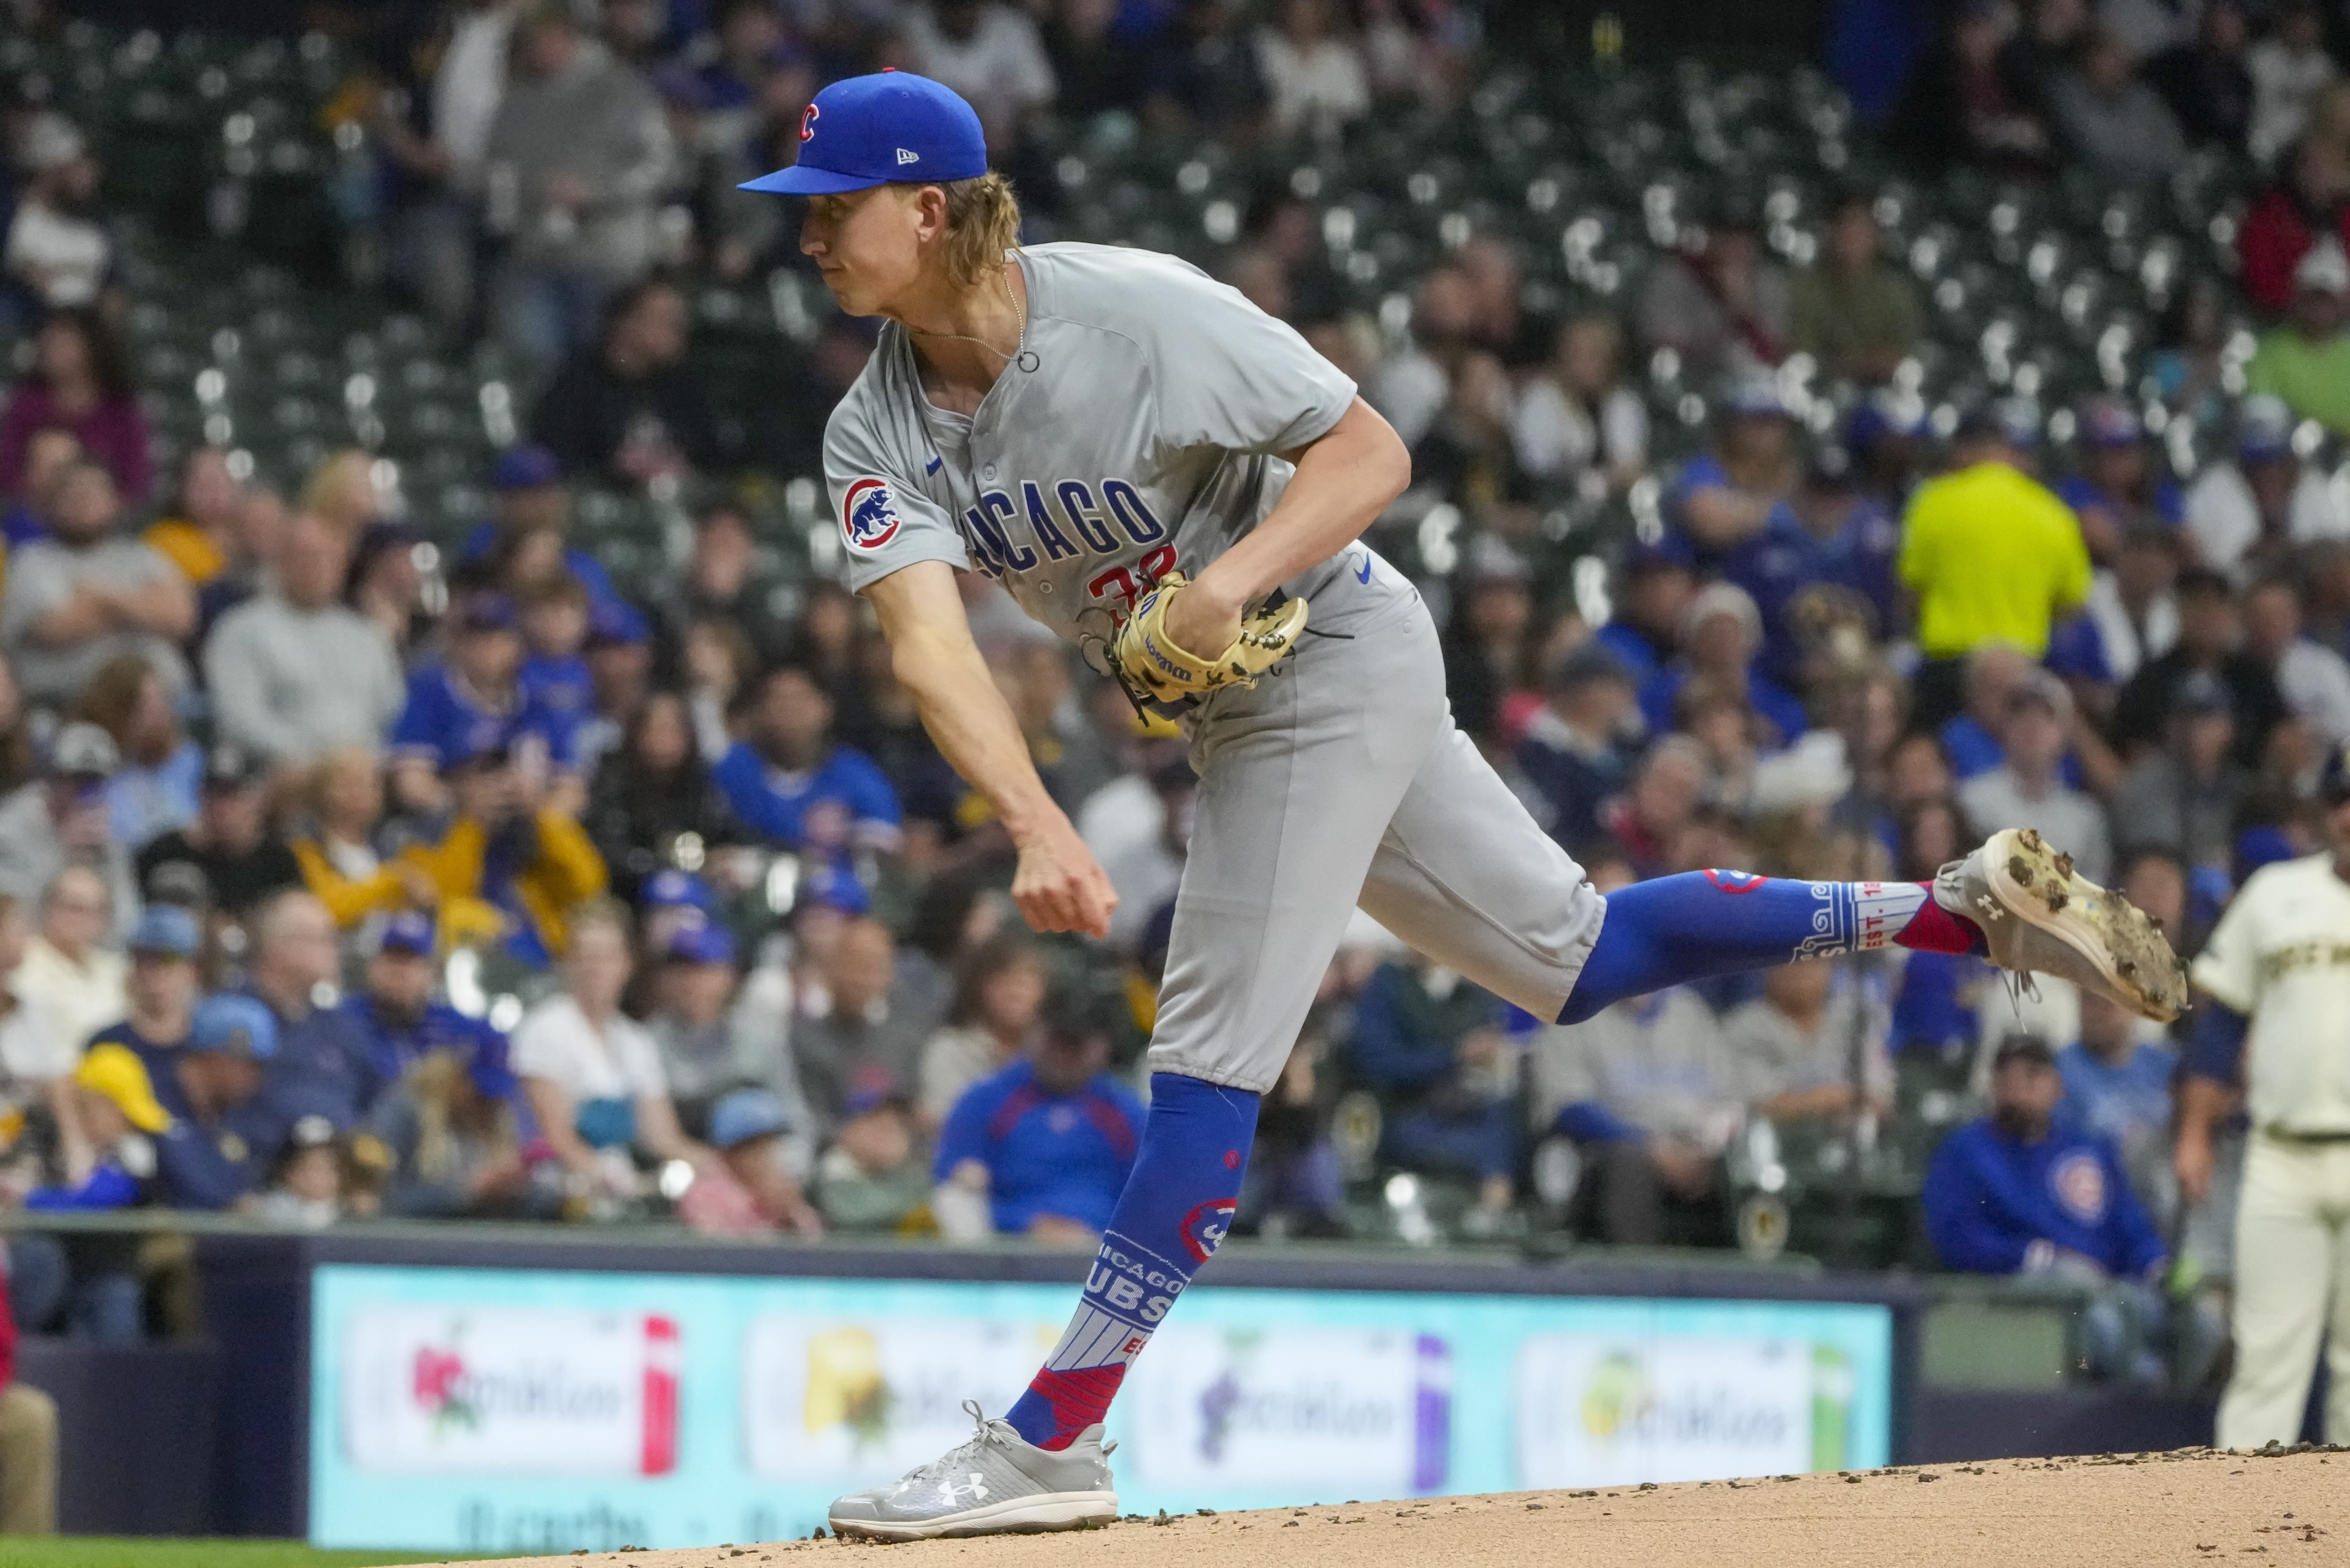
column 341, row 875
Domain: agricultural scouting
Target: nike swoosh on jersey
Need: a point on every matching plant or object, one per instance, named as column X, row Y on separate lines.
column 1365, row 575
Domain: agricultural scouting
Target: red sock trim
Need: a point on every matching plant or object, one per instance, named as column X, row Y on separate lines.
column 1078, row 1399
column 1934, row 929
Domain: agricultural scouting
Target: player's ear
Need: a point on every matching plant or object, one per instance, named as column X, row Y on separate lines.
column 929, row 204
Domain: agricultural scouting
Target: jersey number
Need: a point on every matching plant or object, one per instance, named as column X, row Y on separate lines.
column 1119, row 583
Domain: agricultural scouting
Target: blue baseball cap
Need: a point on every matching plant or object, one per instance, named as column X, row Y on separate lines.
column 832, row 887
column 744, row 1115
column 701, row 944
column 525, row 468
column 616, row 623
column 2108, row 422
column 863, row 131
column 234, row 1025
column 674, row 889
column 165, row 929
column 407, row 932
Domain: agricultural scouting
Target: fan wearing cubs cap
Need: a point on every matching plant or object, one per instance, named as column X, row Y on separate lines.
column 1177, row 483
column 2276, row 1009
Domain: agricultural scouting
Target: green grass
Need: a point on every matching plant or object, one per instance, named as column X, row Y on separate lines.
column 132, row 1552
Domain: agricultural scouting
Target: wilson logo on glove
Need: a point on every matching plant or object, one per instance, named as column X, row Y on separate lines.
column 1154, row 668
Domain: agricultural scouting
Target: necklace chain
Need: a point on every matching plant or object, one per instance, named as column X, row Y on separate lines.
column 1018, row 315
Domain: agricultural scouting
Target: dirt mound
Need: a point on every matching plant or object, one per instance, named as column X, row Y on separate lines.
column 2192, row 1506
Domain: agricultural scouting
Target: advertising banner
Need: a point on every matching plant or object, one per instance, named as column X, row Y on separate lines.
column 524, row 1411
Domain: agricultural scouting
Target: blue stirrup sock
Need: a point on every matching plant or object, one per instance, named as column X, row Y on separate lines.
column 1701, row 923
column 1176, row 1208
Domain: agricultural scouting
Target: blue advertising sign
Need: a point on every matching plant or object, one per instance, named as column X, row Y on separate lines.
column 481, row 1410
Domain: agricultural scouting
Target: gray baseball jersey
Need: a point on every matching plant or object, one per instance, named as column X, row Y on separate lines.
column 1134, row 434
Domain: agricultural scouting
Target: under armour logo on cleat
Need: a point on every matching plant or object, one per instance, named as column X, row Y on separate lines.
column 905, row 156
column 1990, row 907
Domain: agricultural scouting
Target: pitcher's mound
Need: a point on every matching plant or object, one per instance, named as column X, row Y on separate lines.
column 2191, row 1506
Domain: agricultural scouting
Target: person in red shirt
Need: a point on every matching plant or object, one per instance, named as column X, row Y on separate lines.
column 2310, row 198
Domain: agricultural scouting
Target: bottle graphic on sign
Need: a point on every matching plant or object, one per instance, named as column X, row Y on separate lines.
column 664, row 1361
column 1431, row 1415
column 1831, row 1408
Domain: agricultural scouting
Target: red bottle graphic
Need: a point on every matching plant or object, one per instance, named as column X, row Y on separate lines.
column 664, row 1359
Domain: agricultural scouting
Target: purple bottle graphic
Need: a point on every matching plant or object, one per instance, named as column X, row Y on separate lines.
column 1431, row 1415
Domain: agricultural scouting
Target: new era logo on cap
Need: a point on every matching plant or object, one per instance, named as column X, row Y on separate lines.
column 905, row 155
column 869, row 130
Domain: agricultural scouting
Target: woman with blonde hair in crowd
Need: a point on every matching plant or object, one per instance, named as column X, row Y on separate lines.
column 451, row 1127
column 342, row 490
column 337, row 854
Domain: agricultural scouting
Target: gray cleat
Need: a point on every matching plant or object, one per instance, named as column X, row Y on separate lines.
column 996, row 1484
column 2038, row 917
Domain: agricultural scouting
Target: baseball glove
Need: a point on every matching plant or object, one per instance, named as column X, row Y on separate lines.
column 1156, row 671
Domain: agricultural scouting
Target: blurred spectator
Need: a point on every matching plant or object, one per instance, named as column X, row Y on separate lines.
column 2116, row 486
column 1650, row 1097
column 304, row 1187
column 517, row 850
column 28, row 1445
column 2249, row 515
column 435, row 133
column 326, row 1064
column 988, row 52
column 1992, row 556
column 2289, row 68
column 1411, row 388
column 79, row 382
column 1721, row 635
column 554, row 673
column 1853, row 310
column 1431, row 1045
column 999, row 998
column 653, row 790
column 58, row 252
column 49, row 452
column 2309, row 201
column 2049, row 41
column 2109, row 121
column 577, row 156
column 1315, row 75
column 1575, row 419
column 874, row 1176
column 1670, row 782
column 1573, row 752
column 1097, row 71
column 1969, row 738
column 339, row 857
column 2019, row 1192
column 1047, row 1143
column 2028, row 789
column 64, row 819
column 399, row 1018
column 619, row 658
column 2117, row 1080
column 343, row 492
column 293, row 673
column 1659, row 580
column 1205, row 74
column 626, row 409
column 716, row 582
column 2206, row 81
column 229, row 857
column 201, row 532
column 86, row 595
column 1720, row 306
column 472, row 705
column 161, row 986
column 1794, row 1045
column 2210, row 629
column 2306, row 361
column 1963, row 107
column 154, row 788
column 748, row 1191
column 594, row 1076
column 261, row 519
column 792, row 784
column 709, row 1045
column 530, row 499
column 865, row 1031
column 1490, row 641
column 221, row 1139
column 2183, row 798
column 448, row 1124
column 2189, row 366
column 114, row 1104
column 2313, row 680
column 384, row 584
column 1724, row 496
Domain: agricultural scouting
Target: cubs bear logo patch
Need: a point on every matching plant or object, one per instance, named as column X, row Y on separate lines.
column 868, row 519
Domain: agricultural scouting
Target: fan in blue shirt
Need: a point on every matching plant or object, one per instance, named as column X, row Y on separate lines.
column 2117, row 483
column 790, row 782
column 397, row 1014
column 2020, row 1192
column 531, row 496
column 2117, row 1087
column 554, row 675
column 1052, row 1138
column 474, row 702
